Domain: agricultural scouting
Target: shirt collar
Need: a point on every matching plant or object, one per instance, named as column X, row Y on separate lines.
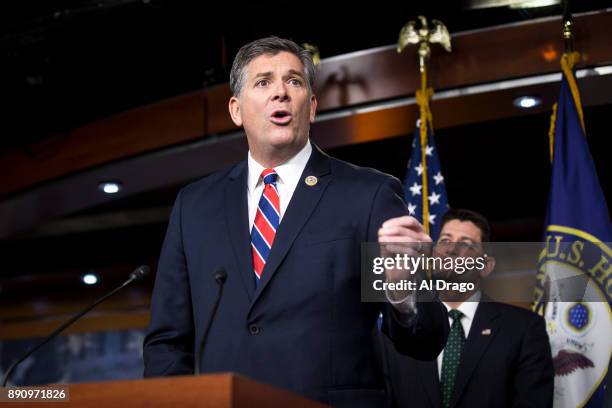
column 468, row 308
column 288, row 172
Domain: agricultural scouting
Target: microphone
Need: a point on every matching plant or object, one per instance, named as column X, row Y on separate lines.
column 138, row 274
column 220, row 276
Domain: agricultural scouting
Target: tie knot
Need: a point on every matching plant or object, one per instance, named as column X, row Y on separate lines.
column 269, row 176
column 455, row 314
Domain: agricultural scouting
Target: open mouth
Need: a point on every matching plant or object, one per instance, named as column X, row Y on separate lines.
column 280, row 117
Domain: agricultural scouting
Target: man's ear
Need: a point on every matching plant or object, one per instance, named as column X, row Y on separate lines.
column 234, row 110
column 313, row 108
column 489, row 266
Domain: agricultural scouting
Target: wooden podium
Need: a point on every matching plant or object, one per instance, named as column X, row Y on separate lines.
column 209, row 391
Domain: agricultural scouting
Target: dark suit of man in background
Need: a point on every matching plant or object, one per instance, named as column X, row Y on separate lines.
column 291, row 314
column 505, row 358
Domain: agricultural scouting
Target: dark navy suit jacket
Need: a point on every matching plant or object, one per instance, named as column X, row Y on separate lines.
column 505, row 362
column 304, row 328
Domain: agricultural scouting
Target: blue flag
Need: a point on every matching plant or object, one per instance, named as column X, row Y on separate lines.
column 415, row 188
column 578, row 233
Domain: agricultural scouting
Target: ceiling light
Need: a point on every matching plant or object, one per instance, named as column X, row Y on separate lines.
column 110, row 187
column 89, row 279
column 527, row 102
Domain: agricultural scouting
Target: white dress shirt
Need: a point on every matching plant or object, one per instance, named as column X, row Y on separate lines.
column 289, row 174
column 468, row 308
column 288, row 178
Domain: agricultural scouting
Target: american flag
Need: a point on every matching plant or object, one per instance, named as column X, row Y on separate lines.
column 437, row 200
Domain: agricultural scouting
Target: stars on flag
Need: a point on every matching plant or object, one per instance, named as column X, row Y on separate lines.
column 412, row 208
column 416, row 189
column 434, row 198
column 438, row 178
column 413, row 184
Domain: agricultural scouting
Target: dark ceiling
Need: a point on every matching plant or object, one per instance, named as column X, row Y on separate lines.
column 66, row 63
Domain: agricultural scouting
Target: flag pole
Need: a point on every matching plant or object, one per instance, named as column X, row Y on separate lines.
column 568, row 60
column 422, row 98
column 424, row 36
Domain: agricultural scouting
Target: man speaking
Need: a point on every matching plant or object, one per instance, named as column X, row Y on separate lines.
column 286, row 224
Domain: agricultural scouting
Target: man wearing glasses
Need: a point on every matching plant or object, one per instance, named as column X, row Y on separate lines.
column 496, row 355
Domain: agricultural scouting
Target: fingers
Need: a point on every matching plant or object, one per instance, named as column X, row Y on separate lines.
column 397, row 231
column 402, row 229
column 405, row 221
column 402, row 236
column 398, row 248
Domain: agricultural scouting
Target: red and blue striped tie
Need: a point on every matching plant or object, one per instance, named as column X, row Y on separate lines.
column 266, row 222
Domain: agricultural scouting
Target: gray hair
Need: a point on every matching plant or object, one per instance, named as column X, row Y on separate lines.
column 268, row 46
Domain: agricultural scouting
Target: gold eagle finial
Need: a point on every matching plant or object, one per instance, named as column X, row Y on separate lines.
column 423, row 36
column 314, row 51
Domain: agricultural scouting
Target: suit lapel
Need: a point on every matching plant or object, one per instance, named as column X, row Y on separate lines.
column 486, row 320
column 303, row 202
column 427, row 372
column 237, row 219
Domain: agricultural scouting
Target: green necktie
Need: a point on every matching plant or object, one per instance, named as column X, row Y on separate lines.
column 452, row 355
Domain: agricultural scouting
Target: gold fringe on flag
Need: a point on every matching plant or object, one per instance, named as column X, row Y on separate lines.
column 568, row 61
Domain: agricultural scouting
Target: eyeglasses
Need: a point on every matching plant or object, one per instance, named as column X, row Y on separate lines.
column 461, row 248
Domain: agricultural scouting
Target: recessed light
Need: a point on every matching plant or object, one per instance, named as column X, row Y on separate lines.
column 527, row 101
column 89, row 279
column 110, row 187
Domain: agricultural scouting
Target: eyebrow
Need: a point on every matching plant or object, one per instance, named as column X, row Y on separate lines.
column 269, row 73
column 297, row 73
column 461, row 238
column 263, row 74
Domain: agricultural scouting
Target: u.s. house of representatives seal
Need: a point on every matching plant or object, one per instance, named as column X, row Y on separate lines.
column 573, row 293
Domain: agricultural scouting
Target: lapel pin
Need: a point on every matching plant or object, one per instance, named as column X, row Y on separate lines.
column 311, row 180
column 486, row 332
